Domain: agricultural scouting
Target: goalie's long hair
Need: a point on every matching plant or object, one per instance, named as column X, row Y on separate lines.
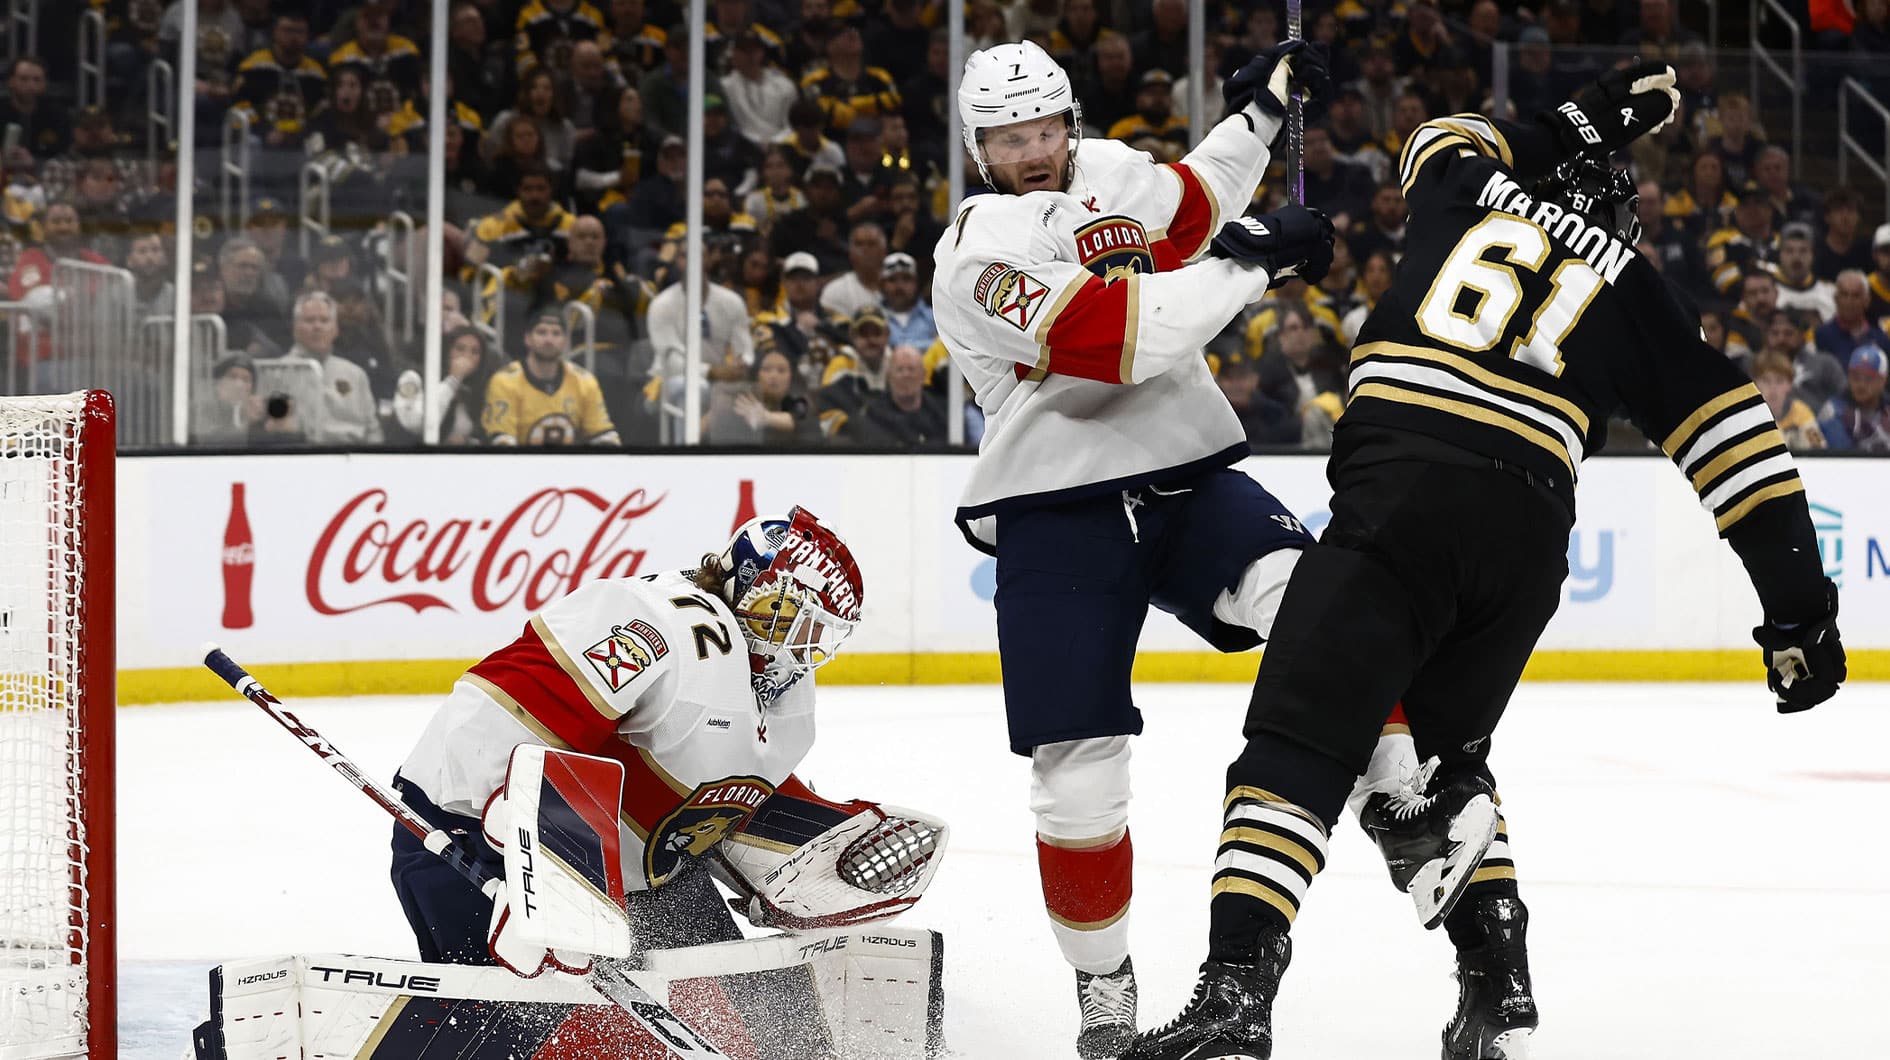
column 710, row 576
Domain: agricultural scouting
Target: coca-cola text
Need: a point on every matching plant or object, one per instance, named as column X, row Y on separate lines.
column 497, row 562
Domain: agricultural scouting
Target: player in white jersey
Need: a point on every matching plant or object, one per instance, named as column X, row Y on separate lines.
column 1076, row 299
column 701, row 683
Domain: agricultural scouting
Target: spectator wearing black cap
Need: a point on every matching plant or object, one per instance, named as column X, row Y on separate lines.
column 856, row 371
column 546, row 30
column 908, row 318
column 543, row 398
column 820, row 228
column 809, row 144
column 331, row 262
column 1382, row 227
column 846, row 88
column 1799, row 290
column 733, row 19
column 759, row 95
column 268, row 227
column 1154, row 127
column 1108, row 93
column 44, row 130
column 1750, row 242
column 1351, row 135
column 228, row 411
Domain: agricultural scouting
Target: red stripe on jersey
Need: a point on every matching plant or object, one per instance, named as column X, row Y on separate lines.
column 1188, row 229
column 1397, row 715
column 1086, row 338
column 1167, row 257
column 649, row 794
column 795, row 788
column 1087, row 886
column 526, row 671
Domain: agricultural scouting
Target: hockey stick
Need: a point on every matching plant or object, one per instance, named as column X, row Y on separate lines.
column 608, row 977
column 1295, row 118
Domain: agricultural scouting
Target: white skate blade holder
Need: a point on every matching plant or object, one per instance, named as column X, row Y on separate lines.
column 1440, row 881
column 1513, row 1044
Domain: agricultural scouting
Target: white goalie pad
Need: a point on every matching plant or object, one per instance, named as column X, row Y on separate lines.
column 882, row 990
column 333, row 1005
column 872, row 865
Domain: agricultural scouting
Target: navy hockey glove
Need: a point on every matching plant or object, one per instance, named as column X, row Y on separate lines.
column 1804, row 663
column 1270, row 75
column 1296, row 241
column 1619, row 108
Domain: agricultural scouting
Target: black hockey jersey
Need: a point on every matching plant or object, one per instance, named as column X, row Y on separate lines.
column 1514, row 331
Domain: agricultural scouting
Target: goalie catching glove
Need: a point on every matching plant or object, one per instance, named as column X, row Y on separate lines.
column 802, row 862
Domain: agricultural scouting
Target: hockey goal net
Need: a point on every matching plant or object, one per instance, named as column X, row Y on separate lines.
column 57, row 695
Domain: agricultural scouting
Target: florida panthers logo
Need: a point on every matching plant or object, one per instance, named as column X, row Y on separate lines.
column 1010, row 293
column 1114, row 247
column 627, row 652
column 703, row 819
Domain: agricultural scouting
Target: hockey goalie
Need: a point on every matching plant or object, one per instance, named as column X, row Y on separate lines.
column 634, row 746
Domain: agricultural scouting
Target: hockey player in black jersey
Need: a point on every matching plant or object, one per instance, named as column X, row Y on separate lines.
column 1520, row 320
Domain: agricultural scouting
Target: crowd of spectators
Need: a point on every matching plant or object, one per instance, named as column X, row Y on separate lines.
column 825, row 188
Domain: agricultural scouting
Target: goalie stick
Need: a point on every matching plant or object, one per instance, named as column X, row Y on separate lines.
column 608, row 977
column 1295, row 118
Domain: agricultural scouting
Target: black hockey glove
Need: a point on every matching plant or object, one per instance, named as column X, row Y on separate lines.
column 1619, row 108
column 1296, row 241
column 1804, row 663
column 1267, row 78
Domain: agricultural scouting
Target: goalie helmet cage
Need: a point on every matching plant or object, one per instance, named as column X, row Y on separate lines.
column 57, row 697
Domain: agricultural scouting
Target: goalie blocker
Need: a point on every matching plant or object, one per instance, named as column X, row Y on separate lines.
column 880, row 989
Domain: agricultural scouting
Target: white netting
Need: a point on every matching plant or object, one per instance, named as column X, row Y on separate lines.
column 43, row 897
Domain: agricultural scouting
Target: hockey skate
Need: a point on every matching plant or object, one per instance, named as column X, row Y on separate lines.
column 1108, row 1003
column 1496, row 1013
column 1230, row 1016
column 1432, row 843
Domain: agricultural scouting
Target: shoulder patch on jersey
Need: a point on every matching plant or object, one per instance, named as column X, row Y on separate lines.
column 1010, row 293
column 703, row 819
column 629, row 650
column 1113, row 247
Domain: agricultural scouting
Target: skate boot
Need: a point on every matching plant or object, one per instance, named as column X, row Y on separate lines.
column 1108, row 1003
column 1496, row 1012
column 1432, row 841
column 1231, row 1014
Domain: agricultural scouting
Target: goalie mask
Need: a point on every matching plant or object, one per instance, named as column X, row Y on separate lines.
column 796, row 591
column 1596, row 192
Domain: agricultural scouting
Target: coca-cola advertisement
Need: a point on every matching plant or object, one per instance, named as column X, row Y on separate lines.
column 335, row 558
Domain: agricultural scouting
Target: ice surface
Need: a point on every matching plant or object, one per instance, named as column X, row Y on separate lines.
column 1706, row 878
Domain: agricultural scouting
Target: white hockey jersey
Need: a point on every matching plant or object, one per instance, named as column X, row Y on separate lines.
column 1079, row 323
column 650, row 671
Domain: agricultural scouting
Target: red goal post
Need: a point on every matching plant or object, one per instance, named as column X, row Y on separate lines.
column 57, row 698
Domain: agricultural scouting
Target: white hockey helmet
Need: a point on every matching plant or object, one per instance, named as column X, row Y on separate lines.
column 1008, row 83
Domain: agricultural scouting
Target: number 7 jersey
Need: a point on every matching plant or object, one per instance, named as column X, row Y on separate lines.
column 1514, row 330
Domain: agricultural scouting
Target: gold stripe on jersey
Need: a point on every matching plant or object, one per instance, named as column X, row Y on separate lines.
column 523, row 716
column 1452, row 133
column 1469, row 411
column 1684, row 433
column 1732, row 453
column 572, row 670
column 1270, row 850
column 1042, row 368
column 1487, row 138
column 1752, row 500
column 1131, row 327
column 1571, row 411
